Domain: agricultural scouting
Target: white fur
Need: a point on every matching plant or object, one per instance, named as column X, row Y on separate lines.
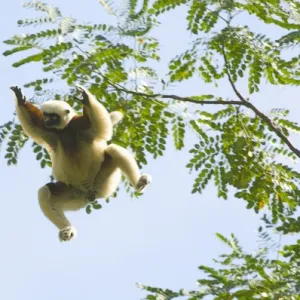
column 50, row 207
column 116, row 117
column 56, row 106
column 83, row 169
column 80, row 168
column 67, row 234
column 61, row 108
column 102, row 127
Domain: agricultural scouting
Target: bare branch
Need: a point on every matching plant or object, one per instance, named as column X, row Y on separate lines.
column 185, row 99
column 174, row 97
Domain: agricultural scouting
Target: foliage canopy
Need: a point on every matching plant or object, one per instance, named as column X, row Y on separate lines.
column 239, row 147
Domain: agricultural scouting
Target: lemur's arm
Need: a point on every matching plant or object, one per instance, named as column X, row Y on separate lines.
column 32, row 121
column 101, row 121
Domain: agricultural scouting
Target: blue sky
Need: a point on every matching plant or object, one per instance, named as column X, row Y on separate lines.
column 159, row 239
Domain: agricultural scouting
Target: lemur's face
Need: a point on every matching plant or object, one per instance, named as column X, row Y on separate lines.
column 57, row 114
column 53, row 120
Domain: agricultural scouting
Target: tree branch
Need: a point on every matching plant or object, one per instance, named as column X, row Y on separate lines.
column 185, row 99
column 265, row 118
column 174, row 97
column 276, row 130
column 242, row 102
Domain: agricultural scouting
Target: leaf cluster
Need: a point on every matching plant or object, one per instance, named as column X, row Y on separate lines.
column 238, row 148
column 241, row 275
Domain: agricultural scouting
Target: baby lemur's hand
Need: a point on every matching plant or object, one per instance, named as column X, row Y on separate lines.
column 21, row 99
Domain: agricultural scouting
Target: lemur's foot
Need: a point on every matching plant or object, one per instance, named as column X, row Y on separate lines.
column 142, row 183
column 67, row 234
column 20, row 98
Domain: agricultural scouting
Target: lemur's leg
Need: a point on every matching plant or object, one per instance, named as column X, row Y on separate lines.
column 54, row 199
column 126, row 162
column 108, row 178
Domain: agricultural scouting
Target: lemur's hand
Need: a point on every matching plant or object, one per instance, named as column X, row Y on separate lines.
column 85, row 97
column 21, row 99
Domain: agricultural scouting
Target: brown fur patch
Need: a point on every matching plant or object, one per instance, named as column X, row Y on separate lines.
column 35, row 114
column 79, row 123
column 74, row 132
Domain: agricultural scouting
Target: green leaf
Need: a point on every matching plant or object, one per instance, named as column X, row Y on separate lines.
column 88, row 209
column 32, row 58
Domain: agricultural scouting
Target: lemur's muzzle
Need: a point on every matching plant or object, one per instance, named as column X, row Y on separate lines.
column 51, row 120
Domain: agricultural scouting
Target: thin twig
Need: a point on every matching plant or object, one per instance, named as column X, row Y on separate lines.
column 230, row 78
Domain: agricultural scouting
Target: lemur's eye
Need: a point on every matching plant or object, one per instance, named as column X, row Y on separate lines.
column 67, row 111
